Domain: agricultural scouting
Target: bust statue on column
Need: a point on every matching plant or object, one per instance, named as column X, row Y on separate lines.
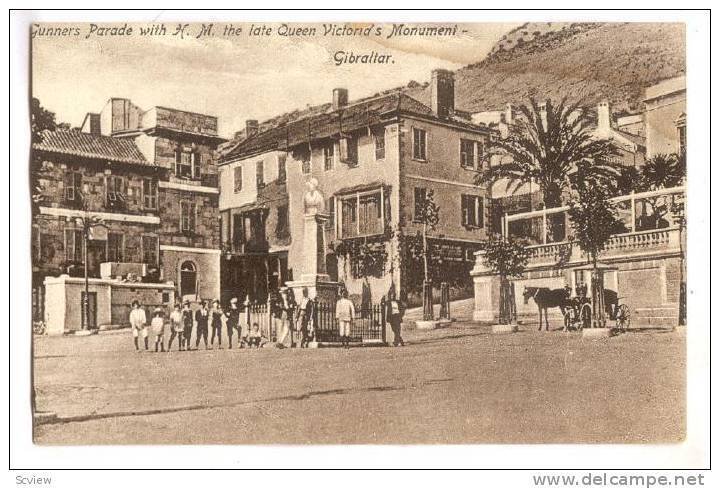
column 313, row 271
column 313, row 200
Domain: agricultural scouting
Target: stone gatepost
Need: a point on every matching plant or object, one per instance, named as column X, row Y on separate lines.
column 487, row 292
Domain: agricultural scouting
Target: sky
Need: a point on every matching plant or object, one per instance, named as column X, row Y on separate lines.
column 235, row 77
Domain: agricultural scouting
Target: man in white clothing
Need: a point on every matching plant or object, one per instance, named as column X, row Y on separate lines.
column 138, row 324
column 344, row 313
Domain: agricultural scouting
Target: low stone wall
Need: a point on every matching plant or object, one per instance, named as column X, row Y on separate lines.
column 63, row 301
column 646, row 274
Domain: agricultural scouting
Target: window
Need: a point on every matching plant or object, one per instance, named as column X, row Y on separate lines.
column 349, row 151
column 187, row 164
column 419, row 144
column 467, row 154
column 115, row 189
column 282, row 168
column 73, row 245
column 329, row 156
column 237, row 178
column 187, row 217
column 379, row 136
column 362, row 215
column 35, row 238
column 260, row 174
column 282, row 228
column 330, row 208
column 419, row 200
column 115, row 248
column 150, row 250
column 237, row 231
column 188, row 279
column 306, row 166
column 370, row 215
column 349, row 218
column 472, row 211
column 682, row 137
column 47, row 247
column 150, row 193
column 73, row 184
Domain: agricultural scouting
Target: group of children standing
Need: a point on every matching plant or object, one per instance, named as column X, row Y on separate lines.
column 180, row 324
column 290, row 318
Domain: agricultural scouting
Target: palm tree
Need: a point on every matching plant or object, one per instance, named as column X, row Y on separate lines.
column 553, row 147
column 663, row 171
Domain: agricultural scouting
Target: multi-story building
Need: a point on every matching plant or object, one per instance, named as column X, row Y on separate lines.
column 151, row 177
column 665, row 124
column 182, row 145
column 374, row 160
column 89, row 175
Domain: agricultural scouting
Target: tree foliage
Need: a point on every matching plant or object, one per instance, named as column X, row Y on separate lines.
column 506, row 257
column 428, row 214
column 593, row 218
column 40, row 120
column 552, row 147
column 662, row 171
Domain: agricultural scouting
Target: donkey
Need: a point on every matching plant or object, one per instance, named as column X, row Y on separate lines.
column 545, row 298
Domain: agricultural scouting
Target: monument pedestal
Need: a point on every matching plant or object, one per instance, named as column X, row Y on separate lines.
column 314, row 273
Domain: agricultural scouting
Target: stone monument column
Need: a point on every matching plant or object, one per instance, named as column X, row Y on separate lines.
column 314, row 275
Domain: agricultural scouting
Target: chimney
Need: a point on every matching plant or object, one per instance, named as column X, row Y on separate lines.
column 543, row 113
column 603, row 118
column 442, row 93
column 251, row 128
column 340, row 98
column 91, row 124
column 509, row 114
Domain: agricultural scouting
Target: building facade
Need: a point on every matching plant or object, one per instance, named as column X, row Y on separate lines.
column 665, row 124
column 151, row 178
column 374, row 160
column 183, row 146
column 85, row 176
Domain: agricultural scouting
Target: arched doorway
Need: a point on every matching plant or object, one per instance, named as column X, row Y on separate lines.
column 188, row 279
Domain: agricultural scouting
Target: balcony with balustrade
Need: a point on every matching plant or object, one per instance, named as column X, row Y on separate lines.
column 650, row 227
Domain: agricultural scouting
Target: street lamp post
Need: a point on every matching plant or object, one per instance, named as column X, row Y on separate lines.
column 87, row 223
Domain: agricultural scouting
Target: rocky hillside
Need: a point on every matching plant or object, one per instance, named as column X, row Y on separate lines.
column 587, row 61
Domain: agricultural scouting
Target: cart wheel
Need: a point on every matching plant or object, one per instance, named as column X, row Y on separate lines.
column 623, row 317
column 585, row 316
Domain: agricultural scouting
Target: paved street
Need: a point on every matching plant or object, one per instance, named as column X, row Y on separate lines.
column 456, row 385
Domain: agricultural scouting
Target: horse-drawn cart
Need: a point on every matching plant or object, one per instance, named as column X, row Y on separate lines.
column 580, row 310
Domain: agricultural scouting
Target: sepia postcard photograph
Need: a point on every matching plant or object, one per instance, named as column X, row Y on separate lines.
column 294, row 232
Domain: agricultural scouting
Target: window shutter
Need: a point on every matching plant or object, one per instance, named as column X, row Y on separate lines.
column 463, row 210
column 69, row 186
column 330, row 223
column 480, row 213
column 195, row 161
column 344, row 150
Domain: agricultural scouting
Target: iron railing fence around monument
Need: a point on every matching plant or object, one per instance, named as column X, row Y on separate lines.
column 368, row 326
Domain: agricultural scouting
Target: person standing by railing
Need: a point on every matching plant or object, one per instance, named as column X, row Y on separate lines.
column 395, row 312
column 286, row 312
column 304, row 317
column 345, row 314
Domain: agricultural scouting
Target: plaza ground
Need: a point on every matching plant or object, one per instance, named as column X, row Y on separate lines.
column 460, row 384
